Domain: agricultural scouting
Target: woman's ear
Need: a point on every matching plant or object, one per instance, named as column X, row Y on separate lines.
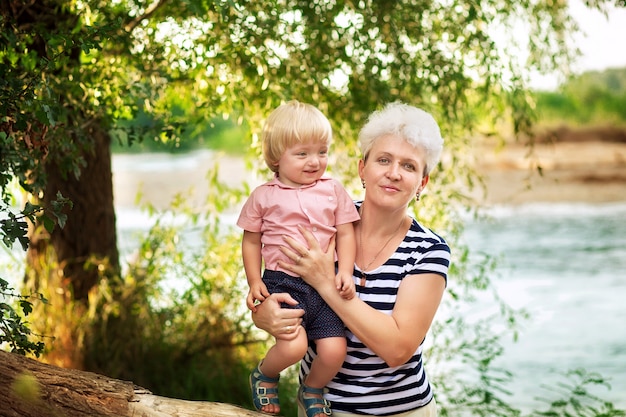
column 361, row 168
column 425, row 179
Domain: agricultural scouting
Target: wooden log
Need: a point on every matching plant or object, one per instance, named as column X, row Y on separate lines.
column 29, row 388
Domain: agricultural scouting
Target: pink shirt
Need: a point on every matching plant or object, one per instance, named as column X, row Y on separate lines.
column 276, row 209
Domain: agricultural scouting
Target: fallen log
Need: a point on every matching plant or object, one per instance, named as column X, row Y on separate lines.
column 29, row 388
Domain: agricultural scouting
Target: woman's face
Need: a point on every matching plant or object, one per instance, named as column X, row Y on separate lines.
column 393, row 172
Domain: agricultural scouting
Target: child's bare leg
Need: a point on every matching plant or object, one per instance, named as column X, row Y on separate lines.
column 331, row 352
column 283, row 354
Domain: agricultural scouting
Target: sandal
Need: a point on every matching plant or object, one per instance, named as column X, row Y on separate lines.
column 313, row 406
column 262, row 396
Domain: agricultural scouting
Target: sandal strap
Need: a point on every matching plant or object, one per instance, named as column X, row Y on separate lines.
column 314, row 405
column 262, row 396
column 258, row 375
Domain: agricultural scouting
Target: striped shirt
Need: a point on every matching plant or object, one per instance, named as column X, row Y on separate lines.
column 366, row 384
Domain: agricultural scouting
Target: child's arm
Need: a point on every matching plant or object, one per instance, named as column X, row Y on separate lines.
column 346, row 254
column 251, row 252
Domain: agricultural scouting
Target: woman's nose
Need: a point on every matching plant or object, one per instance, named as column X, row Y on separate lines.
column 393, row 172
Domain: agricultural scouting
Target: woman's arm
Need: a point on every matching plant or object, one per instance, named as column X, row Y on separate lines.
column 394, row 337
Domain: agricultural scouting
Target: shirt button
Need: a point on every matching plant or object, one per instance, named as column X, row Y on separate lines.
column 315, row 229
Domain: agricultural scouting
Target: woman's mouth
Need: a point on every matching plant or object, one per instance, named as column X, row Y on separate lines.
column 390, row 188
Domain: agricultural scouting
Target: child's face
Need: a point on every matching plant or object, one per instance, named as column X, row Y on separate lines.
column 302, row 164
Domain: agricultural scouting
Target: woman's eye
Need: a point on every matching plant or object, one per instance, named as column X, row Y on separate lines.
column 409, row 167
column 383, row 160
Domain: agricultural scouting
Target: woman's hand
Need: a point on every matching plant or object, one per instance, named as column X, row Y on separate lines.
column 282, row 323
column 311, row 263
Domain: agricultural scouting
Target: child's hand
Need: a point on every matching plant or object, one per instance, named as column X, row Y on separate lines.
column 257, row 293
column 345, row 285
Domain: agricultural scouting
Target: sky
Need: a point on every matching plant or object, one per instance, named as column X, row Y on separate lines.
column 603, row 42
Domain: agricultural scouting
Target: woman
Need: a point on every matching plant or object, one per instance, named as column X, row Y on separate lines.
column 400, row 273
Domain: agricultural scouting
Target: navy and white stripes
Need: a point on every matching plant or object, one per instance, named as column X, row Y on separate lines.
column 365, row 384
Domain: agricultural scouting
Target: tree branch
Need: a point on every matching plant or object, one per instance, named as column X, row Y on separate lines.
column 149, row 12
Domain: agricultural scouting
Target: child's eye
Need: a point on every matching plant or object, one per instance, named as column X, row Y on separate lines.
column 323, row 152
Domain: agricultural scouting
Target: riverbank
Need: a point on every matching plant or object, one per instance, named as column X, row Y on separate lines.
column 592, row 171
column 571, row 170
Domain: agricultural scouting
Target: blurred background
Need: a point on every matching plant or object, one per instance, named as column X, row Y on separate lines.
column 531, row 192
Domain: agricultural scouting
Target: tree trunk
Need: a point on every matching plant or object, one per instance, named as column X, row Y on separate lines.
column 66, row 264
column 87, row 245
column 29, row 388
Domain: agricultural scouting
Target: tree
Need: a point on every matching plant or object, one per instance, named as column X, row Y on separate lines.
column 77, row 73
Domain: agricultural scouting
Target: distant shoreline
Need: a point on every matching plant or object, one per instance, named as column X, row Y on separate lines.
column 589, row 171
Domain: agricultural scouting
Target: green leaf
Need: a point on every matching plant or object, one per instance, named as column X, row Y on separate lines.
column 30, row 208
column 26, row 306
column 48, row 223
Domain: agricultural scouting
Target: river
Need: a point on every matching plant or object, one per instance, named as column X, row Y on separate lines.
column 565, row 264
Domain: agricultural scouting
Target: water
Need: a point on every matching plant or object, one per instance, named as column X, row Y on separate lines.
column 565, row 264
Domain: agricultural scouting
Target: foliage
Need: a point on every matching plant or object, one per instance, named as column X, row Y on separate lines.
column 219, row 134
column 576, row 397
column 592, row 98
column 30, row 112
column 15, row 228
column 162, row 71
column 37, row 92
column 14, row 331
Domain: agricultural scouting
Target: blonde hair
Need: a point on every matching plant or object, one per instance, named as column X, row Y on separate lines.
column 290, row 124
column 412, row 124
